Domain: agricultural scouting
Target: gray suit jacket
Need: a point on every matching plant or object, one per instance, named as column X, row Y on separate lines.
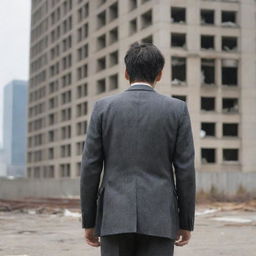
column 144, row 140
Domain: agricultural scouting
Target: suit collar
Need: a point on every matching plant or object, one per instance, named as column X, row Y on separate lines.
column 140, row 87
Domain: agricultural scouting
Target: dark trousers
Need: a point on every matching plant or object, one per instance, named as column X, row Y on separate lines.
column 135, row 244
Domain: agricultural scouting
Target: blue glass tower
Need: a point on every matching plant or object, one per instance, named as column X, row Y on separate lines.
column 15, row 127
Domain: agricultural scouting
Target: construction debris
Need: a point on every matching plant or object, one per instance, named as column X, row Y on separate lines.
column 40, row 205
column 71, row 207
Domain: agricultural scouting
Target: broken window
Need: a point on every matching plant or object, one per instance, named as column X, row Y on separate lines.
column 146, row 19
column 229, row 70
column 230, row 105
column 178, row 40
column 229, row 43
column 133, row 4
column 113, row 11
column 207, row 17
column 101, row 19
column 230, row 129
column 180, row 97
column 101, row 86
column 113, row 58
column 113, row 35
column 207, row 42
column 148, row 39
column 208, row 71
column 230, row 154
column 208, row 155
column 133, row 26
column 207, row 129
column 101, row 63
column 208, row 103
column 178, row 70
column 101, row 42
column 113, row 82
column 228, row 18
column 178, row 15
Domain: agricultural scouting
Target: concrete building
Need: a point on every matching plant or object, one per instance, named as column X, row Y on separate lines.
column 77, row 51
column 15, row 127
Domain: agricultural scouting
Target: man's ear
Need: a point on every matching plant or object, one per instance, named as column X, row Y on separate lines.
column 159, row 76
column 126, row 75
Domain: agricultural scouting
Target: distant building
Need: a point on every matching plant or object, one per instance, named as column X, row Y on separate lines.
column 15, row 127
column 77, row 54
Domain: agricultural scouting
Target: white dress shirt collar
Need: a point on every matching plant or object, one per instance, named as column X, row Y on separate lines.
column 140, row 83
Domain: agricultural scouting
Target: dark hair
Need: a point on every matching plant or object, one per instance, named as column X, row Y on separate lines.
column 143, row 62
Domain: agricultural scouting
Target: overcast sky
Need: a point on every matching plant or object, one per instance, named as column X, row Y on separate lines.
column 14, row 45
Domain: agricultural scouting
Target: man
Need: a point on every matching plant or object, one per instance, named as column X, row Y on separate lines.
column 143, row 205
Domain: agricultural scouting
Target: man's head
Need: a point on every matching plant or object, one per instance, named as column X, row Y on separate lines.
column 144, row 62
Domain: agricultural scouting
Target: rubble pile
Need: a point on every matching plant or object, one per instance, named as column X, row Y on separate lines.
column 40, row 205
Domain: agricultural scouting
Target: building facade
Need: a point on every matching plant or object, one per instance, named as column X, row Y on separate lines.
column 76, row 56
column 15, row 127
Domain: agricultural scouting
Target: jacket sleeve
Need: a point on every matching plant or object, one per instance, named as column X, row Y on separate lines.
column 183, row 162
column 91, row 168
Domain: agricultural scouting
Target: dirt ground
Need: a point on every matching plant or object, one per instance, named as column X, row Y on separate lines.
column 27, row 233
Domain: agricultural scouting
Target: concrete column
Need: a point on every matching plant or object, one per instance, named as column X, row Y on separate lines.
column 248, row 89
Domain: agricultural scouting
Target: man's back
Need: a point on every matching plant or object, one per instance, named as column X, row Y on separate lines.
column 139, row 129
column 143, row 205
